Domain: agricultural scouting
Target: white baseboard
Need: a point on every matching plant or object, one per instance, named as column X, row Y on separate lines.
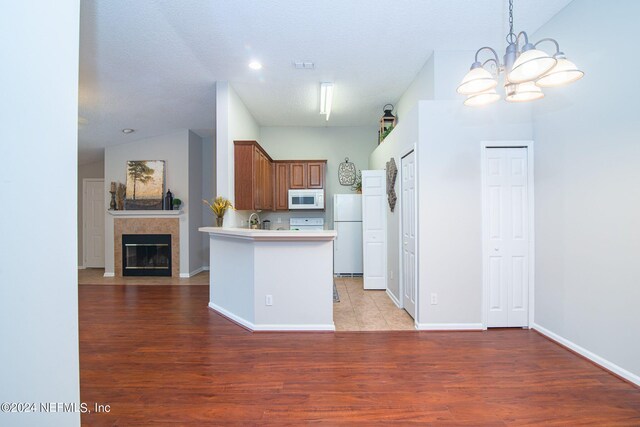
column 393, row 298
column 314, row 327
column 631, row 377
column 81, row 267
column 449, row 326
column 253, row 327
column 106, row 274
column 205, row 268
column 191, row 274
column 239, row 320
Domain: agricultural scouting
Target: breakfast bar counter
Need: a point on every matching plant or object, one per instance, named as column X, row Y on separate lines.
column 272, row 280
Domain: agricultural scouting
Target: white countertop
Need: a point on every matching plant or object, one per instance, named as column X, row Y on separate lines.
column 270, row 235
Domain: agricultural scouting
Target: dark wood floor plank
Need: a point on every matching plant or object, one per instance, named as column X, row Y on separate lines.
column 158, row 356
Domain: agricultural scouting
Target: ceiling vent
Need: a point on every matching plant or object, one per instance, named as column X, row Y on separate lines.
column 304, row 65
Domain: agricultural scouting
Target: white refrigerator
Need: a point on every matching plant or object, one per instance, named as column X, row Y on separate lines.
column 347, row 247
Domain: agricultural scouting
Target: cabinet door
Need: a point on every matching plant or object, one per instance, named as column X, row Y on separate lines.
column 282, row 186
column 315, row 175
column 244, row 177
column 267, row 186
column 258, row 179
column 298, row 175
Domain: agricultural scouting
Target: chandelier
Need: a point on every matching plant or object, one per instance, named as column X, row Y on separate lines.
column 526, row 70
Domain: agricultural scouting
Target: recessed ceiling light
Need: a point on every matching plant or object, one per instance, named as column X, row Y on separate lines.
column 255, row 65
column 128, row 131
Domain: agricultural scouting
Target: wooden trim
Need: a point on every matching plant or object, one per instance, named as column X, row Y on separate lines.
column 255, row 144
column 299, row 161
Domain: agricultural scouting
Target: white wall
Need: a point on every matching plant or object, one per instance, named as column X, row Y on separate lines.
column 174, row 150
column 450, row 67
column 319, row 143
column 449, row 220
column 422, row 87
column 90, row 170
column 197, row 257
column 402, row 139
column 208, row 192
column 38, row 255
column 448, row 137
column 233, row 122
column 587, row 186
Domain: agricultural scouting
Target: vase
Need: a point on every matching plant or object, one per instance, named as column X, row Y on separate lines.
column 219, row 220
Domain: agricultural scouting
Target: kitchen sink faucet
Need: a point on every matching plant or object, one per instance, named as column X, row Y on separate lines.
column 257, row 216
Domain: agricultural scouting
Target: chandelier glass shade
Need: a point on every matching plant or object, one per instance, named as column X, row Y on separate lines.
column 525, row 70
column 477, row 80
column 530, row 65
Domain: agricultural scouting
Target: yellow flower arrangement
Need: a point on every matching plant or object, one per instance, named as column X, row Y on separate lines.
column 219, row 206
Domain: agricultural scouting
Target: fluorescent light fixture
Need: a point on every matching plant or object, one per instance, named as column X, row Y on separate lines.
column 326, row 98
column 255, row 65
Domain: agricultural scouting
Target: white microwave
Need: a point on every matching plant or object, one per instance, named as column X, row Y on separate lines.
column 306, row 199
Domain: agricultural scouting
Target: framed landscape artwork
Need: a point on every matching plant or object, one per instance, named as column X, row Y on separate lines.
column 145, row 184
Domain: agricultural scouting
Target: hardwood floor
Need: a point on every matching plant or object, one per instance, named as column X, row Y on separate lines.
column 158, row 356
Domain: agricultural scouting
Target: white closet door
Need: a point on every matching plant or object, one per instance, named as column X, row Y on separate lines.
column 507, row 224
column 374, row 229
column 408, row 197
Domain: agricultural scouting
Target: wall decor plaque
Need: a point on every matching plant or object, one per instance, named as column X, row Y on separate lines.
column 392, row 173
column 347, row 172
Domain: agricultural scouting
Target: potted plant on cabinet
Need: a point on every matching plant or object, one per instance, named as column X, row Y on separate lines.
column 176, row 204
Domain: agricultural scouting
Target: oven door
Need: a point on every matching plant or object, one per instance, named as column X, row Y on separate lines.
column 306, row 199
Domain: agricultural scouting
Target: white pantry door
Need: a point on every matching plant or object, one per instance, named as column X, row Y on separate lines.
column 93, row 219
column 374, row 229
column 507, row 225
column 408, row 197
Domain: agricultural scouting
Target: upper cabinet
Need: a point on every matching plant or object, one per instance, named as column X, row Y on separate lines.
column 282, row 186
column 298, row 175
column 263, row 184
column 315, row 174
column 253, row 176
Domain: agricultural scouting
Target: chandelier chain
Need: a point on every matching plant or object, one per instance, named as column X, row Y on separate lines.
column 511, row 37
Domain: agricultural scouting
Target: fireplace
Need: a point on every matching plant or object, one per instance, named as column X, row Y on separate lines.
column 146, row 254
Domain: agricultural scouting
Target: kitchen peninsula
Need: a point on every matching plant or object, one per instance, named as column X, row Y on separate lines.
column 272, row 280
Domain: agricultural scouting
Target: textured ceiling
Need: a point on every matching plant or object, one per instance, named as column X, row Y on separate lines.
column 151, row 65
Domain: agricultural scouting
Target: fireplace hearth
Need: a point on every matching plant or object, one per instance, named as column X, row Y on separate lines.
column 146, row 254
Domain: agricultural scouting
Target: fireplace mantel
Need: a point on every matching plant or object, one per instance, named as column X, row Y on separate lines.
column 145, row 213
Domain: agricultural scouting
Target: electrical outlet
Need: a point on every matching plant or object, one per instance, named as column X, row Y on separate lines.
column 391, row 274
column 268, row 300
column 434, row 299
column 279, row 221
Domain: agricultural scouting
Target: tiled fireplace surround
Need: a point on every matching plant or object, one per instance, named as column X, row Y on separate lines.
column 147, row 226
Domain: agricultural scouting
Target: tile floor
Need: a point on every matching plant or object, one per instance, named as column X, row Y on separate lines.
column 95, row 276
column 360, row 310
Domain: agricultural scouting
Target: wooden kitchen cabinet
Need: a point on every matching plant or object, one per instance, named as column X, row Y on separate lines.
column 315, row 174
column 253, row 176
column 263, row 184
column 298, row 175
column 282, row 186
